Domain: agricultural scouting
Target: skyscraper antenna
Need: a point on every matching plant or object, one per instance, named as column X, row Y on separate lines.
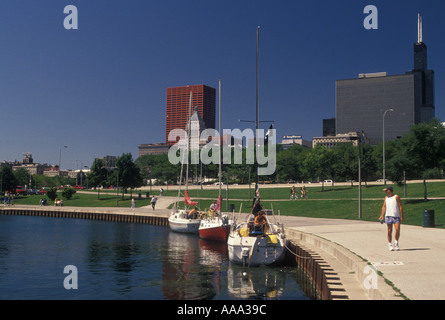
column 419, row 29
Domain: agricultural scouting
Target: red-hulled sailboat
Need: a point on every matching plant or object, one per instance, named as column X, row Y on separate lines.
column 215, row 225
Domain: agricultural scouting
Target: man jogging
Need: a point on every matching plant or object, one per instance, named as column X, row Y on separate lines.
column 393, row 211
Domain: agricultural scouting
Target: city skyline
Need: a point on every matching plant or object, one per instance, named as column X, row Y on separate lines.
column 100, row 89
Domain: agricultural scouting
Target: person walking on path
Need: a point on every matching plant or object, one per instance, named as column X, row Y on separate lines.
column 393, row 211
column 153, row 202
column 132, row 204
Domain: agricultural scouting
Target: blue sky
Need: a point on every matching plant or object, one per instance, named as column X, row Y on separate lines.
column 101, row 89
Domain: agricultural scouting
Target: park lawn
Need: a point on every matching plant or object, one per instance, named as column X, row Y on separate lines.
column 335, row 202
column 341, row 209
column 415, row 190
column 86, row 200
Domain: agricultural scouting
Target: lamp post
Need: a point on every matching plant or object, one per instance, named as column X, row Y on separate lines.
column 359, row 138
column 60, row 157
column 384, row 114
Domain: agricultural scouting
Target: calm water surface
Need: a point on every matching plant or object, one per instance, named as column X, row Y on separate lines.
column 127, row 261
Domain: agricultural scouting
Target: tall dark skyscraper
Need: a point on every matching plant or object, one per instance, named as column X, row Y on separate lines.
column 361, row 103
column 177, row 114
column 423, row 80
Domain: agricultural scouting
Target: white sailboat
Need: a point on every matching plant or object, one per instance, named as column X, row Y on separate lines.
column 253, row 246
column 183, row 220
column 257, row 240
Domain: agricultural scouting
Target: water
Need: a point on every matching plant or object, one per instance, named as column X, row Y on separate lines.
column 127, row 261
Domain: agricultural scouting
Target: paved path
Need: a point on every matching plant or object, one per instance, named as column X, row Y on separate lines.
column 416, row 270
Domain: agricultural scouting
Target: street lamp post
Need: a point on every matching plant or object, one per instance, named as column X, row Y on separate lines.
column 384, row 114
column 60, row 157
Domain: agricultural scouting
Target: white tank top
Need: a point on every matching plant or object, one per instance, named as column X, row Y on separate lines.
column 392, row 207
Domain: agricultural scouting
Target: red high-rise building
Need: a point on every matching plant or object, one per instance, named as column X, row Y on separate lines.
column 177, row 114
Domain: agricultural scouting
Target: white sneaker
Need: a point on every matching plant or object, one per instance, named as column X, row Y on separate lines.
column 390, row 247
column 396, row 246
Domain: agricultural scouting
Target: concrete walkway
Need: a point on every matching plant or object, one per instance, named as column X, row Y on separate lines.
column 416, row 270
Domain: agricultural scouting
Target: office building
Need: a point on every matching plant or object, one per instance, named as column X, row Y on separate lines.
column 290, row 140
column 178, row 109
column 361, row 103
column 153, row 149
column 330, row 142
column 329, row 127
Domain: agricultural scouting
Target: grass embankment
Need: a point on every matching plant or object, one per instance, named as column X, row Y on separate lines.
column 87, row 200
column 338, row 202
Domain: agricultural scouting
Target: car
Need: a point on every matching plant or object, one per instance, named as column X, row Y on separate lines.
column 77, row 187
column 217, row 183
column 33, row 191
column 20, row 190
column 328, row 181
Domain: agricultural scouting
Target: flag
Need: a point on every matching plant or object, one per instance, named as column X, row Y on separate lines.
column 269, row 133
column 257, row 207
column 218, row 204
column 187, row 200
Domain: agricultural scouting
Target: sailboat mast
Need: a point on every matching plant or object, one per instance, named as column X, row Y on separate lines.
column 188, row 142
column 220, row 137
column 257, row 111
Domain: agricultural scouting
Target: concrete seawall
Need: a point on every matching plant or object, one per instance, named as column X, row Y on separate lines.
column 80, row 213
column 337, row 272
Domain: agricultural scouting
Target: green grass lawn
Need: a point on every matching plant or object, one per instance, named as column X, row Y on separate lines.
column 87, row 200
column 338, row 202
column 435, row 189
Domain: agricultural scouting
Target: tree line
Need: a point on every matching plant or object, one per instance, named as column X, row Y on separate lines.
column 418, row 155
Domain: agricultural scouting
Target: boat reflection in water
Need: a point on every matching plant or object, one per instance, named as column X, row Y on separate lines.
column 195, row 268
column 258, row 283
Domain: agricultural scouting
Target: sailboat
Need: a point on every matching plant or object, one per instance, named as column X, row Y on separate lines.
column 250, row 242
column 183, row 220
column 252, row 245
column 216, row 226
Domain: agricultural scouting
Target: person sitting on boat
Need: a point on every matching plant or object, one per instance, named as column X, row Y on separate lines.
column 260, row 222
column 193, row 213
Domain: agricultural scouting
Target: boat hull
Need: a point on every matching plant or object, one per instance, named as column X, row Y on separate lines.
column 179, row 223
column 214, row 233
column 256, row 251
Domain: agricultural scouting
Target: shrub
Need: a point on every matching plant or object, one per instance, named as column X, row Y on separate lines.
column 67, row 193
column 51, row 193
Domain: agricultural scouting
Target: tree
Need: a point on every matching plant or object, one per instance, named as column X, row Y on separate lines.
column 369, row 162
column 129, row 174
column 289, row 163
column 347, row 161
column 51, row 193
column 68, row 193
column 316, row 164
column 7, row 179
column 22, row 176
column 426, row 147
column 158, row 167
column 98, row 174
